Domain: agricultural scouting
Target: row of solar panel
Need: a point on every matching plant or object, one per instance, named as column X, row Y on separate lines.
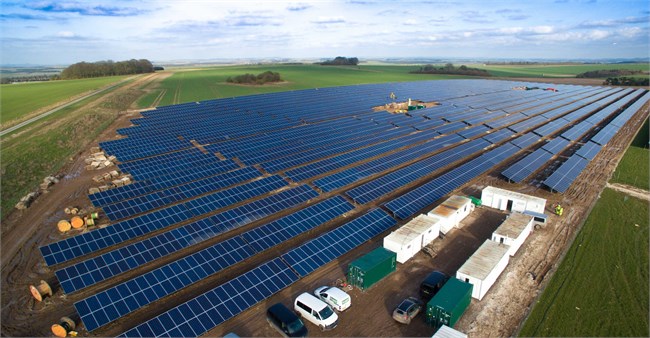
column 115, row 302
column 112, row 263
column 231, row 298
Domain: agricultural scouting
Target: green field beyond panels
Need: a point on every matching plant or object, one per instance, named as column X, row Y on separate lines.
column 555, row 70
column 19, row 99
column 635, row 165
column 210, row 83
column 601, row 287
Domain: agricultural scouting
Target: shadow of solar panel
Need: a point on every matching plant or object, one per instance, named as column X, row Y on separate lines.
column 564, row 176
column 310, row 256
column 201, row 314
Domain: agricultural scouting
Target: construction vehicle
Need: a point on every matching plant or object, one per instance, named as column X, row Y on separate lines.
column 559, row 210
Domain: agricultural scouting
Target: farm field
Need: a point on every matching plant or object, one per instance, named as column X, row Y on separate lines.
column 18, row 100
column 210, row 83
column 569, row 70
column 601, row 287
column 633, row 168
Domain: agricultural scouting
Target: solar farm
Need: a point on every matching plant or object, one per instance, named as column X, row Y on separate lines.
column 241, row 200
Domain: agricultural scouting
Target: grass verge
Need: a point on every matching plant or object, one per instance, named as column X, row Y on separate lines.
column 601, row 286
column 634, row 166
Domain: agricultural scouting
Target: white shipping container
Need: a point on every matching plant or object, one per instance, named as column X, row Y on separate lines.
column 448, row 332
column 514, row 231
column 452, row 211
column 484, row 267
column 404, row 242
column 512, row 201
column 428, row 226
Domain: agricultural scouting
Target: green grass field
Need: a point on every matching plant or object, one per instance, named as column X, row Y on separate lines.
column 570, row 70
column 634, row 166
column 18, row 100
column 210, row 83
column 601, row 286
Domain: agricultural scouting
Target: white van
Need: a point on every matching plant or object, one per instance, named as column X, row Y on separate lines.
column 316, row 311
column 335, row 297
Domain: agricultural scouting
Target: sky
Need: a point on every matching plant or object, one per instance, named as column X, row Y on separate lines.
column 62, row 32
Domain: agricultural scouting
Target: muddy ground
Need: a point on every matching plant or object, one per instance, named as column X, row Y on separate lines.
column 500, row 313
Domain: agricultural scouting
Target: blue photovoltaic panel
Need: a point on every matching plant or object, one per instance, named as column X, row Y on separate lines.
column 138, row 205
column 73, row 247
column 410, row 203
column 589, row 150
column 523, row 168
column 325, row 248
column 378, row 187
column 605, row 135
column 120, row 193
column 112, row 263
column 268, row 235
column 550, row 127
column 562, row 178
column 224, row 198
column 525, row 140
column 113, row 303
column 498, row 136
column 201, row 314
column 447, row 128
column 555, row 146
column 575, row 132
column 473, row 131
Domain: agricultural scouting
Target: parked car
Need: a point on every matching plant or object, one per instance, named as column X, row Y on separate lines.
column 334, row 297
column 316, row 311
column 430, row 285
column 407, row 310
column 285, row 321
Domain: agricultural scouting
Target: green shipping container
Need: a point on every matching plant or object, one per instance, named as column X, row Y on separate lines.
column 449, row 304
column 369, row 269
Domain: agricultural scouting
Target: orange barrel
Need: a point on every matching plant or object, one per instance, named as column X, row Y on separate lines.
column 77, row 222
column 63, row 225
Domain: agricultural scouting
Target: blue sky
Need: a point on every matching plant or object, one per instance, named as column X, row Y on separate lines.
column 64, row 32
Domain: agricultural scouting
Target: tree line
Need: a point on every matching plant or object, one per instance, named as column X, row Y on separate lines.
column 258, row 79
column 627, row 81
column 83, row 70
column 340, row 61
column 452, row 70
column 607, row 73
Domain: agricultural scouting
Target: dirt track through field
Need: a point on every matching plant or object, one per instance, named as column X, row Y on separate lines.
column 629, row 190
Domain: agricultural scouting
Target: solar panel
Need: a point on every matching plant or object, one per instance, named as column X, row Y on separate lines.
column 564, row 176
column 201, row 314
column 378, row 187
column 325, row 248
column 268, row 235
column 115, row 302
column 576, row 132
column 498, row 136
column 555, row 146
column 525, row 167
column 589, row 150
column 410, row 203
column 112, row 263
column 473, row 131
column 525, row 140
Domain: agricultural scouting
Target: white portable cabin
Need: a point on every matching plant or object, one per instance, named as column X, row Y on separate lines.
column 428, row 226
column 512, row 201
column 514, row 231
column 404, row 242
column 448, row 332
column 452, row 211
column 484, row 267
